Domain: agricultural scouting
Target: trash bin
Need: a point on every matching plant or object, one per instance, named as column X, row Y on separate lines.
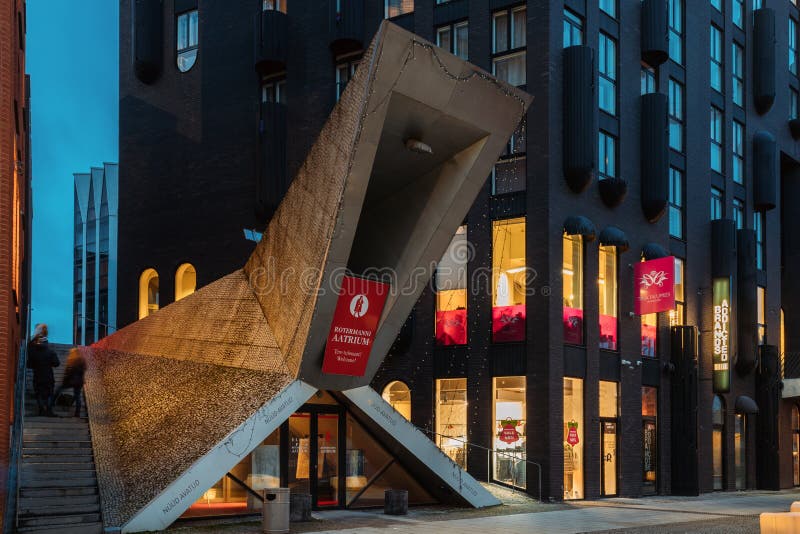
column 395, row 502
column 276, row 511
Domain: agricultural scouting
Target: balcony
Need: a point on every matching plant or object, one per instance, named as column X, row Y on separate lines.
column 654, row 156
column 346, row 26
column 580, row 137
column 271, row 184
column 765, row 171
column 147, row 40
column 271, row 37
column 763, row 59
column 655, row 44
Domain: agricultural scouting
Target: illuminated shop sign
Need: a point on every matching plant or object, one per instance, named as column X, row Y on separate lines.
column 656, row 282
column 722, row 335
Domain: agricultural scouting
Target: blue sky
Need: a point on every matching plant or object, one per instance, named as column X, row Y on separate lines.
column 72, row 57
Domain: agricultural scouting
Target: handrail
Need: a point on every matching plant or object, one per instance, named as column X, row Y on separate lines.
column 12, row 498
column 496, row 451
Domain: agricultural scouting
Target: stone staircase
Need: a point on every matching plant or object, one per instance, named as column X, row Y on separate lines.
column 58, row 488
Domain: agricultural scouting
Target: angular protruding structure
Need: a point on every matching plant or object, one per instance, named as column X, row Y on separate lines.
column 178, row 398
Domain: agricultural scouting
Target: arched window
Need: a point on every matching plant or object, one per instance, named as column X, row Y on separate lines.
column 398, row 395
column 187, row 40
column 185, row 281
column 148, row 293
column 796, row 445
column 717, row 440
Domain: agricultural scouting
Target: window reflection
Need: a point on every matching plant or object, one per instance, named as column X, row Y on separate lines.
column 398, row 395
column 187, row 39
column 451, row 418
column 510, row 430
column 572, row 276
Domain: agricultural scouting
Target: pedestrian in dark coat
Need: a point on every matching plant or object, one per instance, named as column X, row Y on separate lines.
column 42, row 359
column 73, row 378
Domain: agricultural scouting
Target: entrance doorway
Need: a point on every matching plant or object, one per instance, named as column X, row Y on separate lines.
column 608, row 457
column 316, row 455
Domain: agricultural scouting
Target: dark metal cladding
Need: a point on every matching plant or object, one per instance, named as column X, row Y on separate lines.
column 148, row 39
column 346, row 26
column 746, row 287
column 794, row 128
column 613, row 236
column 763, row 59
column 271, row 36
column 580, row 225
column 655, row 44
column 683, row 396
column 768, row 396
column 765, row 171
column 653, row 251
column 184, row 5
column 723, row 248
column 271, row 183
column 580, row 137
column 654, row 155
column 612, row 191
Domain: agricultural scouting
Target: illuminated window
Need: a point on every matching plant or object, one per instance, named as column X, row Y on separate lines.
column 395, row 8
column 649, row 439
column 761, row 315
column 148, row 293
column 345, row 69
column 398, row 395
column 508, row 280
column 649, row 334
column 609, row 411
column 274, row 5
column 740, row 450
column 185, row 281
column 187, row 40
column 454, row 38
column 607, row 289
column 451, row 418
column 451, row 292
column 716, row 58
column 509, row 39
column 677, row 316
column 796, row 445
column 573, row 438
column 717, row 441
column 572, row 275
column 509, row 431
column 573, row 29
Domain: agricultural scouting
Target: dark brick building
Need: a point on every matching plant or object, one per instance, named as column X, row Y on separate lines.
column 657, row 130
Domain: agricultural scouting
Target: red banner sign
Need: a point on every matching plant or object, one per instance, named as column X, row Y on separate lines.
column 508, row 431
column 355, row 321
column 656, row 282
column 572, row 433
column 451, row 327
column 508, row 323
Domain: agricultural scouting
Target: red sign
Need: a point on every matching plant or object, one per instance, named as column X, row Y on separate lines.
column 572, row 433
column 355, row 321
column 508, row 431
column 508, row 323
column 451, row 327
column 656, row 282
column 572, row 318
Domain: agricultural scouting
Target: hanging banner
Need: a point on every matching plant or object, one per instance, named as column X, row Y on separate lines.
column 355, row 321
column 656, row 282
column 722, row 336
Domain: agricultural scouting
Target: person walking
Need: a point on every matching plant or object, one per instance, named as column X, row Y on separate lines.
column 73, row 378
column 42, row 359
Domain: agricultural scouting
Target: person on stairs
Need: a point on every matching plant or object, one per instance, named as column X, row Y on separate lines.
column 42, row 359
column 73, row 378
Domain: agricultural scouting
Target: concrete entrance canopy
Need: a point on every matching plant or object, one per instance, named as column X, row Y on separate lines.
column 178, row 398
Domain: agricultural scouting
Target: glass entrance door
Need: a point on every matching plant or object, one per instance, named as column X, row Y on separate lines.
column 315, row 456
column 327, row 460
column 608, row 458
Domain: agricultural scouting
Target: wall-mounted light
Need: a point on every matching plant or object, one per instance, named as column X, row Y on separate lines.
column 415, row 145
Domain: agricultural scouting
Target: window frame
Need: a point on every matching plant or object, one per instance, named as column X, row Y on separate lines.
column 716, row 59
column 607, row 169
column 737, row 74
column 578, row 274
column 278, row 85
column 648, row 82
column 510, row 51
column 677, row 201
column 675, row 23
column 717, row 208
column 189, row 50
column 717, row 139
column 607, row 55
column 739, row 213
column 512, row 155
column 612, row 5
column 677, row 316
column 791, row 39
column 452, row 28
column 761, row 314
column 572, row 23
column 737, row 150
column 351, row 62
column 609, row 251
column 387, row 7
column 676, row 113
column 761, row 250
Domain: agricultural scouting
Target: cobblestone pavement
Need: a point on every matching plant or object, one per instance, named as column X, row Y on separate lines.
column 722, row 513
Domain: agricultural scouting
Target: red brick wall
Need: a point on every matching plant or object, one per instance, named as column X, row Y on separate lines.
column 13, row 188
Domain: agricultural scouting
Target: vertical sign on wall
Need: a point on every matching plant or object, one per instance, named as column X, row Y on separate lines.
column 722, row 336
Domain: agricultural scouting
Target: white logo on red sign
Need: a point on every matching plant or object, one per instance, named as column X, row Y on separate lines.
column 653, row 278
column 359, row 306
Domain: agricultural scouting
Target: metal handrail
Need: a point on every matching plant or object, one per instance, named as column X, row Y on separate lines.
column 488, row 458
column 12, row 498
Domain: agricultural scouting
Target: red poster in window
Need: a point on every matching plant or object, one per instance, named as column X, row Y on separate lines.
column 572, row 433
column 573, row 325
column 648, row 339
column 508, row 323
column 508, row 431
column 656, row 282
column 451, row 327
column 355, row 321
column 608, row 332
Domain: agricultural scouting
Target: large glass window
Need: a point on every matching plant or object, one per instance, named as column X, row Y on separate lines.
column 716, row 139
column 792, row 46
column 454, row 38
column 761, row 314
column 451, row 292
column 677, row 316
column 573, row 438
column 676, row 215
column 509, row 430
column 607, row 290
column 717, row 441
column 273, row 89
column 509, row 174
column 738, row 213
column 185, row 281
column 451, row 418
column 737, row 74
column 609, row 7
column 509, row 40
column 398, row 395
column 148, row 293
column 647, row 79
column 676, row 31
column 717, row 4
column 737, row 169
column 508, row 280
column 740, row 450
column 187, row 39
column 606, row 156
column 796, row 445
column 274, row 5
column 649, row 334
column 649, row 439
column 716, row 58
column 737, row 13
column 758, row 226
column 573, row 29
column 395, row 8
column 607, row 73
column 716, row 204
column 345, row 69
column 675, row 115
column 572, row 277
column 609, row 411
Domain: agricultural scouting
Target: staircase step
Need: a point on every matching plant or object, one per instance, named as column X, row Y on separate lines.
column 36, row 493
column 39, row 459
column 86, row 528
column 55, row 422
column 42, row 508
column 55, row 482
column 48, row 466
column 59, row 520
column 65, row 474
column 56, row 444
column 26, row 503
column 28, row 452
column 56, row 435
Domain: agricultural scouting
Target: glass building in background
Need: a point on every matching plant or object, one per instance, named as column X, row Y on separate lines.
column 94, row 302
